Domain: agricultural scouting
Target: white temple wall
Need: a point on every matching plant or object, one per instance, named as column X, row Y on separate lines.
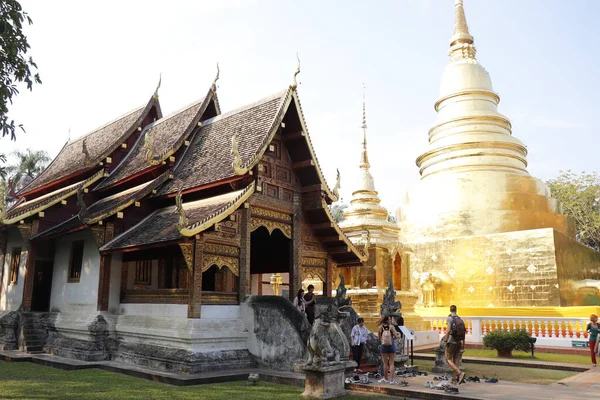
column 79, row 296
column 114, row 296
column 12, row 295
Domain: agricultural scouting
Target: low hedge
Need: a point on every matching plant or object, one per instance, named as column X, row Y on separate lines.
column 508, row 340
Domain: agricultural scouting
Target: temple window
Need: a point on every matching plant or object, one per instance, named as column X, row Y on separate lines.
column 15, row 260
column 76, row 261
column 143, row 272
column 220, row 280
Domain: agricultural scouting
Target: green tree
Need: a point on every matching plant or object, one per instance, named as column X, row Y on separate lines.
column 337, row 211
column 29, row 164
column 579, row 196
column 15, row 66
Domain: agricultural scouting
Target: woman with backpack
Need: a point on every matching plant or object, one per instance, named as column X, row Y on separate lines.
column 387, row 333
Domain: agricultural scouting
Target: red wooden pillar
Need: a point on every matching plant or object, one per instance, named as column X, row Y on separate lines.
column 195, row 295
column 296, row 246
column 245, row 242
column 104, row 282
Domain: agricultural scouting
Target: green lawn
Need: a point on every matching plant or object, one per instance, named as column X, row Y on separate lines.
column 511, row 374
column 23, row 380
column 519, row 355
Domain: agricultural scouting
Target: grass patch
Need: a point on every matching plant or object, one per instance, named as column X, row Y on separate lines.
column 511, row 374
column 544, row 357
column 25, row 380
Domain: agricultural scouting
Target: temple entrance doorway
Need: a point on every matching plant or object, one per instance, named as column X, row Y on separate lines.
column 42, row 285
column 270, row 263
column 398, row 272
column 316, row 282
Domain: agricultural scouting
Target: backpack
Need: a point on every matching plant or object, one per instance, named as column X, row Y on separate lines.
column 458, row 330
column 386, row 337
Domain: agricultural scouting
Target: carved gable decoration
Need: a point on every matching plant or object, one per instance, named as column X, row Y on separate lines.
column 314, row 273
column 271, row 220
column 221, row 256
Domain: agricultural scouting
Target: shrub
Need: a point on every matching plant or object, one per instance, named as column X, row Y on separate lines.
column 508, row 340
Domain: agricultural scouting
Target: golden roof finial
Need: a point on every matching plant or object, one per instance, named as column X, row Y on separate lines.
column 216, row 78
column 155, row 95
column 294, row 84
column 364, row 159
column 83, row 213
column 336, row 188
column 86, row 154
column 183, row 221
column 461, row 42
column 236, row 165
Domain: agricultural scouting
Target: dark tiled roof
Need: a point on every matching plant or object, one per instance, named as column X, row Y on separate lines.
column 99, row 143
column 161, row 225
column 165, row 136
column 106, row 207
column 110, row 205
column 208, row 159
column 22, row 210
column 70, row 224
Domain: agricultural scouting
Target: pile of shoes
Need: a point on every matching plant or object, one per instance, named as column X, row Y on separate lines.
column 358, row 379
column 491, row 380
column 473, row 379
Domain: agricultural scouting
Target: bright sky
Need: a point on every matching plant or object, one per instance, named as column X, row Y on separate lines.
column 99, row 60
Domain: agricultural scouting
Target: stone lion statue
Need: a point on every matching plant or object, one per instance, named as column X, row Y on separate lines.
column 327, row 343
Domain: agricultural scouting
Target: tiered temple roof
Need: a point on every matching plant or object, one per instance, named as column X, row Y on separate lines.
column 88, row 151
column 209, row 158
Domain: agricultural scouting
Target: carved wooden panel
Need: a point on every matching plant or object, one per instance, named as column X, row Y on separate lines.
column 314, row 273
column 271, row 190
column 271, row 225
column 187, row 250
column 287, row 195
column 283, row 174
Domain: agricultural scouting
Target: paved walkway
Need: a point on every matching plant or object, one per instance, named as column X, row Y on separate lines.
column 575, row 388
column 524, row 363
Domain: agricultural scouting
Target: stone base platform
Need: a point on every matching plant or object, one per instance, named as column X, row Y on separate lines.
column 326, row 382
column 171, row 378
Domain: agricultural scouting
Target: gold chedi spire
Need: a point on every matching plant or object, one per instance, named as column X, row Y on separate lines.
column 364, row 160
column 461, row 42
column 365, row 210
column 474, row 177
column 469, row 134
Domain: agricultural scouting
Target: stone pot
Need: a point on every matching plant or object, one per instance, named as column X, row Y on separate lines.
column 504, row 352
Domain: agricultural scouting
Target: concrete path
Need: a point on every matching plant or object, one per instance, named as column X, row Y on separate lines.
column 488, row 391
column 518, row 362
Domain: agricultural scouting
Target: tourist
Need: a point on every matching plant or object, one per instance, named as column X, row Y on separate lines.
column 398, row 322
column 299, row 301
column 387, row 332
column 592, row 330
column 310, row 300
column 455, row 339
column 359, row 338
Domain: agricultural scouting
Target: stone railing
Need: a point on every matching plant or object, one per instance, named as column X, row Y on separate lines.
column 558, row 332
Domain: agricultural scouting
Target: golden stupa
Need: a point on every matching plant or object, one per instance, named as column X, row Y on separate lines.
column 367, row 224
column 481, row 231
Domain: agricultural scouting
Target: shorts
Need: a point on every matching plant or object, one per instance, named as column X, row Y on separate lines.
column 453, row 352
column 388, row 349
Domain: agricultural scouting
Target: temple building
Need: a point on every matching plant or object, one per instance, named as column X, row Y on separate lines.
column 482, row 232
column 152, row 230
column 369, row 226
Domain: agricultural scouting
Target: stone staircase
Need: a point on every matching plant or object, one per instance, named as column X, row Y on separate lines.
column 32, row 332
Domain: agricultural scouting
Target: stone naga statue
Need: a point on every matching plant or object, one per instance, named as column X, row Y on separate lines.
column 327, row 343
column 389, row 305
